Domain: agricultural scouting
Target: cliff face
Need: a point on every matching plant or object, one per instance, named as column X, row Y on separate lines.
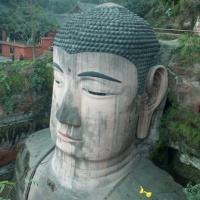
column 186, row 85
column 24, row 109
column 31, row 110
column 31, row 113
column 180, row 126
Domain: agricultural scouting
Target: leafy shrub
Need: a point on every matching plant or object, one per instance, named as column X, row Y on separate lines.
column 9, row 103
column 48, row 58
column 17, row 82
column 4, row 85
column 178, row 124
column 17, row 77
column 188, row 51
column 165, row 36
column 192, row 192
column 41, row 77
column 182, row 125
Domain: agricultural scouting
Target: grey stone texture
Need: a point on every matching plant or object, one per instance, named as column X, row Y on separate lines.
column 166, row 49
column 111, row 29
column 31, row 152
column 144, row 173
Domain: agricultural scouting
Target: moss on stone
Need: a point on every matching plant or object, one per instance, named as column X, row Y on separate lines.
column 186, row 171
column 11, row 133
column 181, row 126
column 19, row 77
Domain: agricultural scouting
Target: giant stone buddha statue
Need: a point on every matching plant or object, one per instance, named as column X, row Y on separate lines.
column 106, row 88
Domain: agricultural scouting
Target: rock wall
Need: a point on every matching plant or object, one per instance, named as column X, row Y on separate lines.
column 31, row 113
column 32, row 110
column 185, row 86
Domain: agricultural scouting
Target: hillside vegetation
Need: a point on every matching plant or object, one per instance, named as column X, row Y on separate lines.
column 22, row 76
column 179, row 14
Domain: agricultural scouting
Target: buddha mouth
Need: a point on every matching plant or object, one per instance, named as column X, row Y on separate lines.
column 65, row 138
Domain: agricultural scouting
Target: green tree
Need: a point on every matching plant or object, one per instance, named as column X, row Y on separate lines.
column 140, row 7
column 120, row 2
column 5, row 23
column 28, row 20
column 61, row 6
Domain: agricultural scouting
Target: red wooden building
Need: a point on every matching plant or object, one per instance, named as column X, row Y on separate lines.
column 9, row 48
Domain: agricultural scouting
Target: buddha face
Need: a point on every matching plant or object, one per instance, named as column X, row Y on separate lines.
column 94, row 108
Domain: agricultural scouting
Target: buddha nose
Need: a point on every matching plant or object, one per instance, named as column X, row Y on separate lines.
column 69, row 110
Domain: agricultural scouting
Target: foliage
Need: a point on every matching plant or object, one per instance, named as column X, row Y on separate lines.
column 48, row 58
column 165, row 36
column 10, row 185
column 178, row 124
column 173, row 14
column 61, row 6
column 21, row 76
column 3, row 184
column 162, row 15
column 92, row 1
column 41, row 77
column 9, row 104
column 120, row 2
column 31, row 181
column 188, row 172
column 192, row 192
column 188, row 51
column 182, row 125
column 5, row 22
column 141, row 7
column 4, row 85
column 171, row 2
column 28, row 21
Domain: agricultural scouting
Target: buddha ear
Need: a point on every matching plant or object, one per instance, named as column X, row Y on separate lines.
column 155, row 91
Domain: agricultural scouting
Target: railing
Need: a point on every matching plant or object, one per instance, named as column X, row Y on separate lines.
column 175, row 31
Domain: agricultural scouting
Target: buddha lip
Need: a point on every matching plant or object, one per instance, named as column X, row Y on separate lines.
column 65, row 138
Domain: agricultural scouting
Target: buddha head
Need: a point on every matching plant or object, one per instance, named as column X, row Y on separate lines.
column 106, row 83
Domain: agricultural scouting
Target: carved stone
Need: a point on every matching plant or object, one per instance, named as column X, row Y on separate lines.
column 106, row 89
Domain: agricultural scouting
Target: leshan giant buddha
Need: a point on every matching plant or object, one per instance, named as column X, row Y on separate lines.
column 106, row 89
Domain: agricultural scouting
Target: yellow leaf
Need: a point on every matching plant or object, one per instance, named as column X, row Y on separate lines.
column 148, row 194
column 141, row 190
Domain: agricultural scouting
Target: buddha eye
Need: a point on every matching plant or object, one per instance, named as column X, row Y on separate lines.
column 97, row 93
column 58, row 82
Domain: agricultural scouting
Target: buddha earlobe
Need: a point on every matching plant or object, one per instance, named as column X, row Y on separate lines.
column 155, row 91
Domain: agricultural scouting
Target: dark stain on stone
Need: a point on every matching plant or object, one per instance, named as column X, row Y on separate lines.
column 52, row 185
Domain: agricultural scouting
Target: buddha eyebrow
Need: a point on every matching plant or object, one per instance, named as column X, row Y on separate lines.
column 58, row 67
column 98, row 75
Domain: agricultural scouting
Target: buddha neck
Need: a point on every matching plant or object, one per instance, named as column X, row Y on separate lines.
column 83, row 174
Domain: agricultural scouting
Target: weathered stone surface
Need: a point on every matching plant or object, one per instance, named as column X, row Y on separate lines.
column 29, row 156
column 188, row 155
column 185, row 79
column 6, row 171
column 166, row 48
column 111, row 29
column 144, row 174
